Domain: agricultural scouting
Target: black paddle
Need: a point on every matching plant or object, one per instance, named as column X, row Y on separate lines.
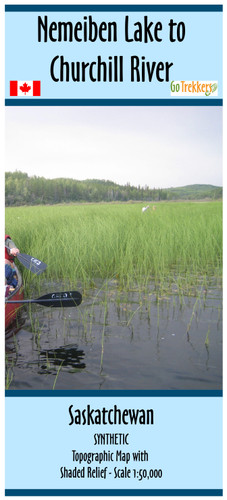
column 34, row 265
column 56, row 299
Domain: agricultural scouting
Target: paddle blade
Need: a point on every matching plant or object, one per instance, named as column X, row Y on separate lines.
column 34, row 265
column 60, row 299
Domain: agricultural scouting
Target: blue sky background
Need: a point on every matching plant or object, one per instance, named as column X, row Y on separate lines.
column 197, row 57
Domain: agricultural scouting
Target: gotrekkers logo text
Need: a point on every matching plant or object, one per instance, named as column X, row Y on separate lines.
column 194, row 88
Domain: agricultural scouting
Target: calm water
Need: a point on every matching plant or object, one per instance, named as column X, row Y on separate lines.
column 119, row 341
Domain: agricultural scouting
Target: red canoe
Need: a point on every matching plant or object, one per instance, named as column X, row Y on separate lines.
column 11, row 310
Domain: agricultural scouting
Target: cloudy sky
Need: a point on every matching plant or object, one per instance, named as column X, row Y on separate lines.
column 154, row 146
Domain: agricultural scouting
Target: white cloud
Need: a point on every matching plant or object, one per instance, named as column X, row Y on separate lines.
column 156, row 146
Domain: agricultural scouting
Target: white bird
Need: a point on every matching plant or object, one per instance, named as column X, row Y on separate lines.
column 145, row 208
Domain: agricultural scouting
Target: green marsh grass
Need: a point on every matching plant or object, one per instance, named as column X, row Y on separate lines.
column 9, row 375
column 172, row 246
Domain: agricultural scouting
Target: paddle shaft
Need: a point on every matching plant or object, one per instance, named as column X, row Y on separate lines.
column 60, row 299
column 48, row 302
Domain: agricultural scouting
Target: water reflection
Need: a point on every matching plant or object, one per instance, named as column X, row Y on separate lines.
column 68, row 355
column 116, row 340
column 14, row 327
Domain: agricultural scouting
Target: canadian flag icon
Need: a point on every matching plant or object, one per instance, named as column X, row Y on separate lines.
column 25, row 88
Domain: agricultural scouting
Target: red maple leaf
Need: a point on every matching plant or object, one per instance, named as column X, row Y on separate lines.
column 25, row 88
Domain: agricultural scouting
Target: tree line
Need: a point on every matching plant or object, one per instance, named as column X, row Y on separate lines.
column 20, row 189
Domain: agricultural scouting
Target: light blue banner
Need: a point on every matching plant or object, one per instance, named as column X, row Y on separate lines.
column 141, row 52
column 175, row 444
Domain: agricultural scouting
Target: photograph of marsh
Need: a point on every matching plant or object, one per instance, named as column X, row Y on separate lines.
column 124, row 205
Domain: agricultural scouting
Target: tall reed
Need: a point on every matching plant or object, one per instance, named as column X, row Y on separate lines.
column 83, row 243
